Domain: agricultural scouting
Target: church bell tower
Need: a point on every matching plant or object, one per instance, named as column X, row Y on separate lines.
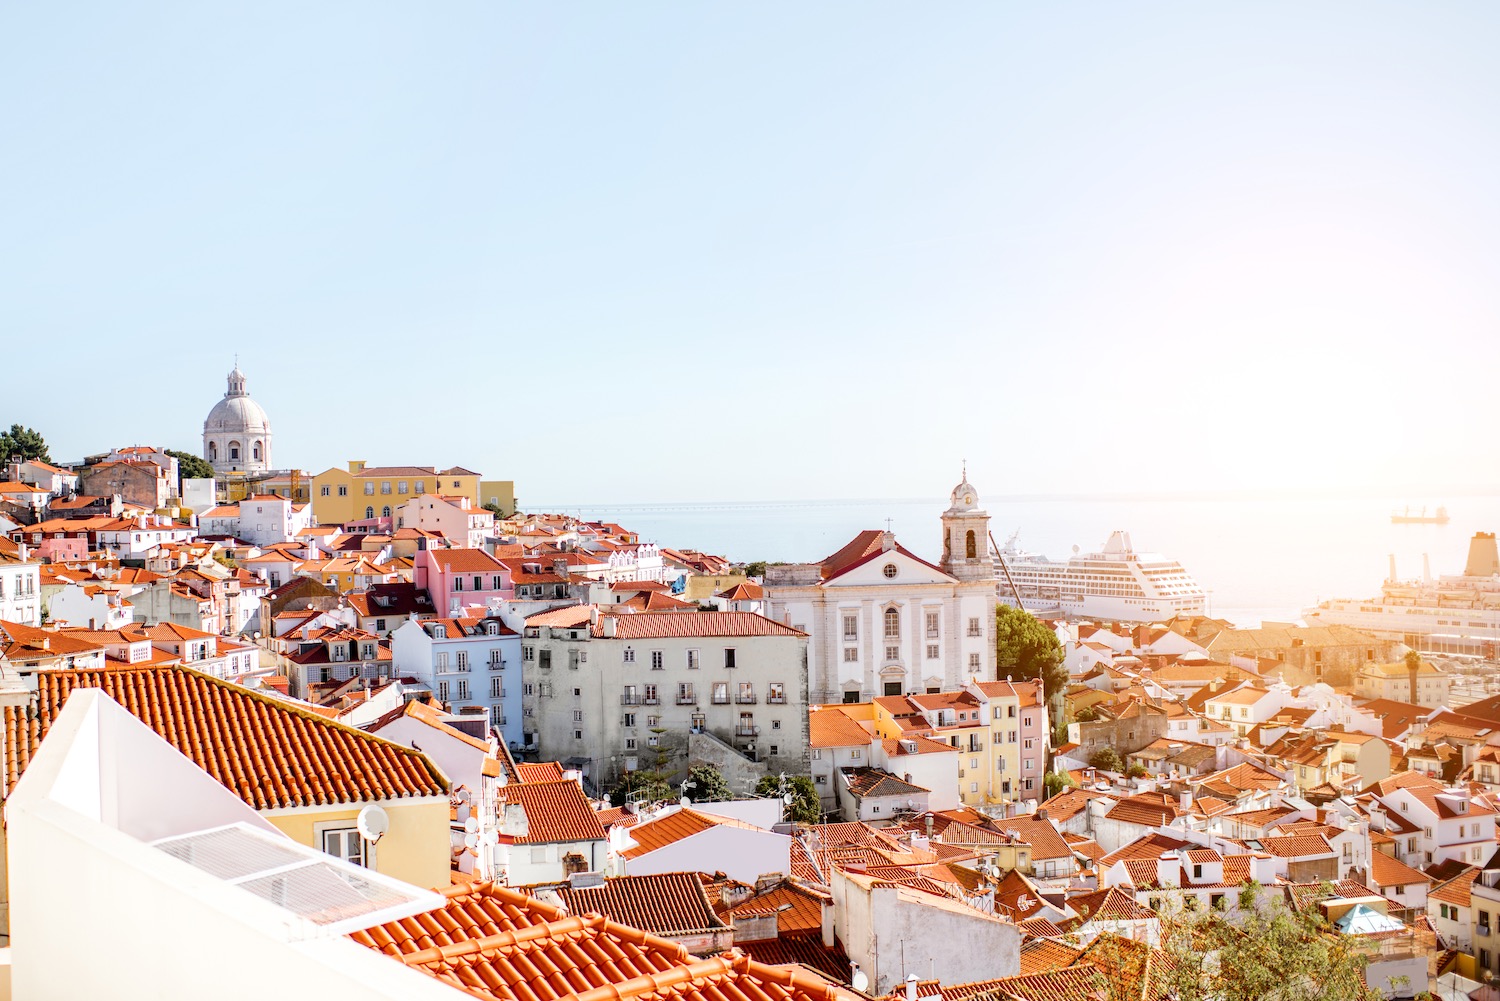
column 966, row 536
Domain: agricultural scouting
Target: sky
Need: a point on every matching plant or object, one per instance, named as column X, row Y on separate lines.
column 682, row 251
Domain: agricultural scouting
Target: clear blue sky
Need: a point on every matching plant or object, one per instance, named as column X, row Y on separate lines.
column 654, row 251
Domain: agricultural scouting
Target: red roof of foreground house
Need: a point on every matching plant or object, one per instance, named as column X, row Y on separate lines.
column 271, row 753
column 493, row 942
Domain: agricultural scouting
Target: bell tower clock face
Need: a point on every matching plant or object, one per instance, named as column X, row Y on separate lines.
column 968, row 498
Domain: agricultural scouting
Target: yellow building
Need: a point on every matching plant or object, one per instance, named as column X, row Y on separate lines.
column 308, row 775
column 348, row 573
column 362, row 492
column 498, row 493
column 952, row 718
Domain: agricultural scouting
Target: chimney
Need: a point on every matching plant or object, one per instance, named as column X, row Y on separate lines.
column 514, row 824
column 1484, row 559
column 610, row 623
column 911, row 987
column 887, row 541
column 1392, row 575
column 829, row 933
column 1426, row 569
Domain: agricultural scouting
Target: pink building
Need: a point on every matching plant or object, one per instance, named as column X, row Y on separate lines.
column 459, row 578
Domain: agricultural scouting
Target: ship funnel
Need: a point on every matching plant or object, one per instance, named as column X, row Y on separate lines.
column 1484, row 559
column 1426, row 569
column 1392, row 576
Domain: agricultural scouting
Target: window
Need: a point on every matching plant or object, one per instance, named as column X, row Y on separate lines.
column 442, row 661
column 629, row 656
column 892, row 653
column 463, row 690
column 629, row 743
column 851, row 655
column 343, row 490
column 385, row 486
column 369, row 512
column 401, row 487
column 721, row 693
column 934, row 651
column 974, row 627
column 385, row 512
column 974, row 661
column 577, row 715
column 699, row 721
column 855, row 754
column 577, row 734
column 932, row 625
column 892, row 624
column 692, row 660
column 851, row 627
column 497, row 690
column 442, row 691
column 775, row 725
column 345, row 843
column 652, row 698
column 776, row 694
column 323, row 491
column 971, row 550
column 729, row 656
column 463, row 660
column 657, row 660
column 628, row 720
column 889, row 570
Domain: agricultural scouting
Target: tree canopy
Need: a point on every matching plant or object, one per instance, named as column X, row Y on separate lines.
column 1025, row 649
column 1106, row 759
column 708, row 785
column 26, row 443
column 805, row 807
column 1265, row 952
column 190, row 466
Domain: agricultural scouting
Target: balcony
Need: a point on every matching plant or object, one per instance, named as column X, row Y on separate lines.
column 720, row 700
column 497, row 665
column 688, row 698
column 745, row 699
column 630, row 700
column 776, row 700
column 652, row 700
column 747, row 731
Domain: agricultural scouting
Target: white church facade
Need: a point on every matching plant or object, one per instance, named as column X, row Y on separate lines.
column 883, row 621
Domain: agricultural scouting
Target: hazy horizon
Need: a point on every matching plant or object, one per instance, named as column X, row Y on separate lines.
column 755, row 251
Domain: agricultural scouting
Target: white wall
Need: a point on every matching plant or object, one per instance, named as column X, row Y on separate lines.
column 738, row 853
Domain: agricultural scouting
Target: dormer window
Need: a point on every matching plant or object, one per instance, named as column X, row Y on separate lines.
column 439, row 632
column 492, row 629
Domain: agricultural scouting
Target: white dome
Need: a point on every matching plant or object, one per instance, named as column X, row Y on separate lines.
column 237, row 414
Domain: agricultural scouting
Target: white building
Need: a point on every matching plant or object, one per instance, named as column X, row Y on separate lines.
column 613, row 693
column 883, row 621
column 470, row 662
column 20, row 585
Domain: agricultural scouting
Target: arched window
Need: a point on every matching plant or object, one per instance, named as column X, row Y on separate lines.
column 234, row 451
column 892, row 624
column 213, row 451
column 255, row 454
column 369, row 512
column 971, row 550
column 385, row 512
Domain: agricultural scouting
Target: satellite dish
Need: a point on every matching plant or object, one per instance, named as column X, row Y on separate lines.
column 471, row 826
column 605, row 801
column 471, row 841
column 859, row 982
column 490, row 838
column 685, row 802
column 372, row 823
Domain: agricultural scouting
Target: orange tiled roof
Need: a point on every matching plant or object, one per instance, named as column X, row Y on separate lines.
column 684, row 625
column 555, row 812
column 493, row 942
column 538, row 771
column 663, row 831
column 672, row 903
column 271, row 753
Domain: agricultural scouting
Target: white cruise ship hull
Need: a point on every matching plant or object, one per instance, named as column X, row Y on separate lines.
column 1116, row 584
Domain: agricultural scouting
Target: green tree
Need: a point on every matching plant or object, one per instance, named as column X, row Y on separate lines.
column 1106, row 759
column 1055, row 782
column 1136, row 771
column 708, row 785
column 756, row 569
column 1025, row 649
column 805, row 807
column 494, row 508
column 190, row 467
column 1266, row 952
column 27, row 443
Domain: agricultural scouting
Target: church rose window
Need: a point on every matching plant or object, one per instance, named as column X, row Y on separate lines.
column 889, row 570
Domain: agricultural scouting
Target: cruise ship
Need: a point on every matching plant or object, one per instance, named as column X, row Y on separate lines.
column 1457, row 613
column 1116, row 584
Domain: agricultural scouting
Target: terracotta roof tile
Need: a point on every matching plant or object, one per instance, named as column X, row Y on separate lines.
column 555, row 812
column 492, row 942
column 666, row 904
column 684, row 625
column 673, row 827
column 268, row 751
